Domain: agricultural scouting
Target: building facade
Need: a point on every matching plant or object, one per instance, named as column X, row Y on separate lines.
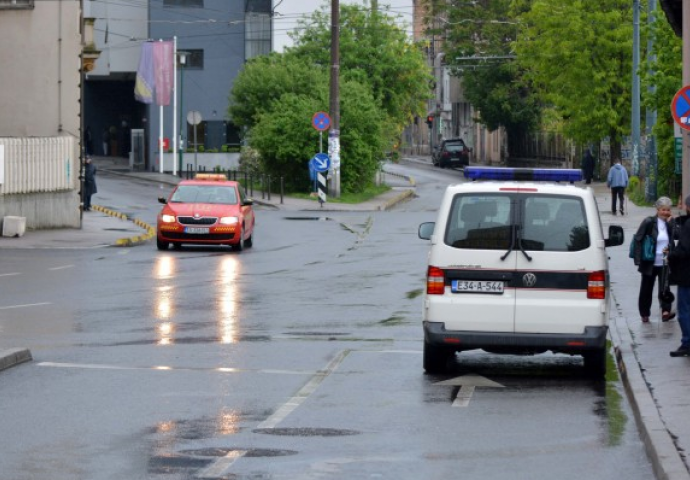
column 214, row 39
column 40, row 111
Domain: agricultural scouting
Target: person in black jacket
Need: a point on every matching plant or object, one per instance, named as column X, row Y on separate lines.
column 89, row 183
column 679, row 262
column 661, row 228
column 588, row 166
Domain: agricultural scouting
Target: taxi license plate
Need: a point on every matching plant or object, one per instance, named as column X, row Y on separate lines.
column 197, row 230
column 476, row 286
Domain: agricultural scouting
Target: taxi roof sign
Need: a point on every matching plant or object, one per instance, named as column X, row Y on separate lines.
column 212, row 177
column 524, row 174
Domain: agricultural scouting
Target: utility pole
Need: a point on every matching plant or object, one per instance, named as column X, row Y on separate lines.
column 334, row 133
column 635, row 91
column 686, row 81
column 650, row 120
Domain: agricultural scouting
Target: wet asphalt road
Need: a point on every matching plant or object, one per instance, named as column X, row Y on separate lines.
column 299, row 358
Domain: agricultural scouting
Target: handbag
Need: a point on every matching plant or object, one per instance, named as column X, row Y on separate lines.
column 648, row 252
column 646, row 246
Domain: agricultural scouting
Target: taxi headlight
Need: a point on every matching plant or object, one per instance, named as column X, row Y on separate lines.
column 229, row 220
column 167, row 218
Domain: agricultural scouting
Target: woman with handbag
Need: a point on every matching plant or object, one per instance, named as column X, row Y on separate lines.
column 654, row 239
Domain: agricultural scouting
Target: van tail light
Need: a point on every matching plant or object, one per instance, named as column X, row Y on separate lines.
column 596, row 285
column 435, row 281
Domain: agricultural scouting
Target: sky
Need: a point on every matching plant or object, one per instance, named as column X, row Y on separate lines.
column 287, row 12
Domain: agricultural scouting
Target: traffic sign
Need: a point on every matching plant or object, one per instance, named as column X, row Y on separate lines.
column 320, row 163
column 321, row 121
column 680, row 107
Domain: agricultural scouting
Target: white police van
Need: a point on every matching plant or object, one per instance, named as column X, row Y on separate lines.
column 517, row 265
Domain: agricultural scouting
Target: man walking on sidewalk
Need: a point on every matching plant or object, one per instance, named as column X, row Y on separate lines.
column 679, row 262
column 617, row 181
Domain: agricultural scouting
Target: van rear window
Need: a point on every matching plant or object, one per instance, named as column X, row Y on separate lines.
column 539, row 222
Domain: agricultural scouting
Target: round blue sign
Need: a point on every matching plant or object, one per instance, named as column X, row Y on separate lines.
column 321, row 121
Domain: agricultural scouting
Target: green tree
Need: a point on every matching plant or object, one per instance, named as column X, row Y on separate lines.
column 478, row 47
column 578, row 57
column 376, row 51
column 383, row 83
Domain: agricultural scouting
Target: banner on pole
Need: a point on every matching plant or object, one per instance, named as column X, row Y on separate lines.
column 144, row 84
column 163, row 61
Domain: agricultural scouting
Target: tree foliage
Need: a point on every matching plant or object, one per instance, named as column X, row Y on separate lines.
column 578, row 57
column 479, row 37
column 373, row 49
column 663, row 69
column 383, row 84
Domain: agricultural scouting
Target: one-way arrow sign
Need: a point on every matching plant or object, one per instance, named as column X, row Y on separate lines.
column 467, row 384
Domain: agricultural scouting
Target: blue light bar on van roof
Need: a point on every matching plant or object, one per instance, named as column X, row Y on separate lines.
column 524, row 174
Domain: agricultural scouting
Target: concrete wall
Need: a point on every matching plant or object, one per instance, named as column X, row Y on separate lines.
column 43, row 210
column 39, row 97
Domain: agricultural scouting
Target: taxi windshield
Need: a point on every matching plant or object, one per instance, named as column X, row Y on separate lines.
column 205, row 194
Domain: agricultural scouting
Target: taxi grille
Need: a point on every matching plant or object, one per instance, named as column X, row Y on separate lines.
column 197, row 221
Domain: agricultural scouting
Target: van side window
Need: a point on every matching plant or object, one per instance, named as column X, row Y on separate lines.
column 555, row 224
column 479, row 222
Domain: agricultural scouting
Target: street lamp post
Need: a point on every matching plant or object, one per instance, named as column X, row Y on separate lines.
column 182, row 59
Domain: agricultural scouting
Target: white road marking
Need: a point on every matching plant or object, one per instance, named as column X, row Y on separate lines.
column 9, row 274
column 304, row 393
column 462, row 399
column 62, row 267
column 467, row 384
column 10, row 307
column 167, row 368
column 217, row 468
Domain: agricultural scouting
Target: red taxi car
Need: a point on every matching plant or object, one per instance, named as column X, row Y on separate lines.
column 209, row 210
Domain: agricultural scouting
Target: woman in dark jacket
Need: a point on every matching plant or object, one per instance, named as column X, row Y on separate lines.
column 679, row 260
column 661, row 227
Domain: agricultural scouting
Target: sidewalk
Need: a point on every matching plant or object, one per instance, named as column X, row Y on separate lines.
column 658, row 385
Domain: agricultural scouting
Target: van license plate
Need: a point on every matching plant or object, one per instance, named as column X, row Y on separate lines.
column 476, row 286
column 197, row 230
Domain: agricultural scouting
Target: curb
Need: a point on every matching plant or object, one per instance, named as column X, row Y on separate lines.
column 661, row 450
column 129, row 241
column 397, row 199
column 15, row 356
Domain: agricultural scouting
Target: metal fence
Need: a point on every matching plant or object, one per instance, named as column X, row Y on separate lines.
column 39, row 164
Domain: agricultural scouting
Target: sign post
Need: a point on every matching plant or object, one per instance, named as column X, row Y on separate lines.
column 321, row 121
column 318, row 166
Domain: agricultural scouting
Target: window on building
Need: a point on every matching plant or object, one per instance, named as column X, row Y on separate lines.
column 193, row 60
column 16, row 4
column 184, row 3
column 257, row 36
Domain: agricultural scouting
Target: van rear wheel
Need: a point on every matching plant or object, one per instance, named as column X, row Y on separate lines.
column 435, row 359
column 595, row 363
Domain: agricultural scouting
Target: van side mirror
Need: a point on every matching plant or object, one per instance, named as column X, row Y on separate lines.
column 616, row 236
column 426, row 230
column 162, row 200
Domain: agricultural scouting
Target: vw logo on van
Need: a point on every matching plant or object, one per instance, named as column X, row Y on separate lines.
column 529, row 279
